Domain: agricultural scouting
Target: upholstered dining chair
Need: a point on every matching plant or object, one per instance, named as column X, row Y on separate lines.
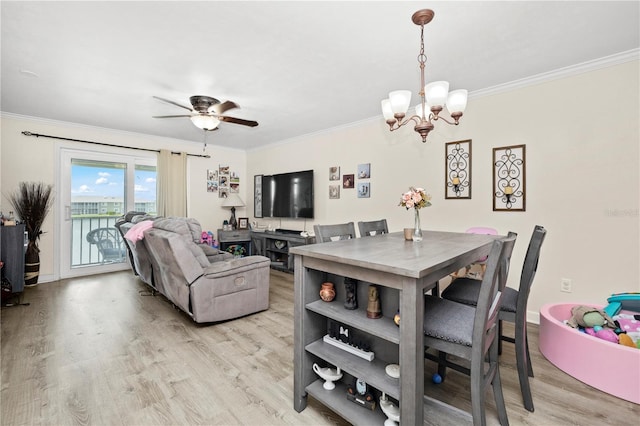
column 374, row 227
column 471, row 332
column 340, row 231
column 514, row 309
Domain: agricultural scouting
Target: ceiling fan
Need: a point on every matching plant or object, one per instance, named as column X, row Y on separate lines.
column 206, row 112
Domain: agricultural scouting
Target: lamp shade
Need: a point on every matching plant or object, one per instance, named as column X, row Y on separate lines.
column 233, row 200
column 205, row 122
column 400, row 100
column 436, row 93
column 457, row 101
column 387, row 112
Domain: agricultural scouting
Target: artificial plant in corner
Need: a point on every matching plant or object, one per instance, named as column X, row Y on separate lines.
column 31, row 202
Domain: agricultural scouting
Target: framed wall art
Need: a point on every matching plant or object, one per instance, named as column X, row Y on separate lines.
column 509, row 174
column 257, row 196
column 334, row 173
column 364, row 190
column 457, row 169
column 334, row 192
column 348, row 181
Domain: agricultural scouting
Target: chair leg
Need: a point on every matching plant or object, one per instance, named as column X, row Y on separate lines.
column 523, row 365
column 499, row 337
column 435, row 292
column 499, row 396
column 478, row 394
column 529, row 366
column 442, row 367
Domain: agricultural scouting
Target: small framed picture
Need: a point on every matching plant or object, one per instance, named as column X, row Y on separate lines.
column 364, row 190
column 243, row 223
column 348, row 181
column 334, row 192
column 334, row 173
column 364, row 171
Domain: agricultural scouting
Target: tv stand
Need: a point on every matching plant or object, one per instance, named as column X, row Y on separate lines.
column 276, row 244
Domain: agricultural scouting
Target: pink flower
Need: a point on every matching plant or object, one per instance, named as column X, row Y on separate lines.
column 415, row 198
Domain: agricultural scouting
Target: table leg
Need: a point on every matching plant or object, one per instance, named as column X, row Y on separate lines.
column 411, row 353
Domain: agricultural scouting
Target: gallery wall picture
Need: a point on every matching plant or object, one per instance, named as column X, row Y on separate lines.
column 364, row 190
column 509, row 174
column 257, row 196
column 223, row 181
column 364, row 171
column 457, row 169
column 334, row 173
column 348, row 181
column 212, row 180
column 334, row 192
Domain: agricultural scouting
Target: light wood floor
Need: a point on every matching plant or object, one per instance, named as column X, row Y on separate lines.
column 94, row 351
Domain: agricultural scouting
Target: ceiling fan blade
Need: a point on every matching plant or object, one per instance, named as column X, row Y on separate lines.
column 234, row 120
column 225, row 106
column 169, row 116
column 172, row 103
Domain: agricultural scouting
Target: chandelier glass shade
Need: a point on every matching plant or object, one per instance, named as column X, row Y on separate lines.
column 204, row 121
column 433, row 96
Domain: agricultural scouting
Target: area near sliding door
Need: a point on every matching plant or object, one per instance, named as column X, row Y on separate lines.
column 94, row 190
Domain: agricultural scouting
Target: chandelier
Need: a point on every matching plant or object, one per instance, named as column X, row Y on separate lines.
column 433, row 97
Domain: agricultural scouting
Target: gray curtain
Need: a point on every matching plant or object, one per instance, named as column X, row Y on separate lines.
column 172, row 184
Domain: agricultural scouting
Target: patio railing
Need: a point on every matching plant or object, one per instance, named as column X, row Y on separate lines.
column 84, row 253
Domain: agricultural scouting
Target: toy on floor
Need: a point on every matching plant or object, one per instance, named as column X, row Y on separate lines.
column 589, row 317
column 626, row 301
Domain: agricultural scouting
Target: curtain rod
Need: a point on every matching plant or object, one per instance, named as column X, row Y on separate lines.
column 27, row 133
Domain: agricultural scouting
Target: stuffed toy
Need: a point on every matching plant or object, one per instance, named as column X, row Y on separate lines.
column 589, row 317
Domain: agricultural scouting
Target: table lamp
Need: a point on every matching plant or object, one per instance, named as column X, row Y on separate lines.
column 233, row 201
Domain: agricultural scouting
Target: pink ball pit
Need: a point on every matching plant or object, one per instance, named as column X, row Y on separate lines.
column 612, row 368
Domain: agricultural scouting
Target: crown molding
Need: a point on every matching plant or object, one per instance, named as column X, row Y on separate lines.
column 596, row 64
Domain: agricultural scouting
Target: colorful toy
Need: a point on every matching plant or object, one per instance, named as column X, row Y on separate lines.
column 206, row 238
column 626, row 301
column 589, row 317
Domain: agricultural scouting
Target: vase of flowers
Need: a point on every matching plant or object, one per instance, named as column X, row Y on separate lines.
column 416, row 198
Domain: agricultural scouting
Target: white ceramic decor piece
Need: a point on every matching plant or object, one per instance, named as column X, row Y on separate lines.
column 390, row 410
column 329, row 375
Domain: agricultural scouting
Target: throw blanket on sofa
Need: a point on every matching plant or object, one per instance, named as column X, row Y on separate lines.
column 136, row 233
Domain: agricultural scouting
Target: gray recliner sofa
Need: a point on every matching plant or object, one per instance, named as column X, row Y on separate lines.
column 138, row 254
column 207, row 284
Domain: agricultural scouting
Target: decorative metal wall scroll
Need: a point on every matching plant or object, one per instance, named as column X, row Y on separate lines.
column 509, row 178
column 458, row 170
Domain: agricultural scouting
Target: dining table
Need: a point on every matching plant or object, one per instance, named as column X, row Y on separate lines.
column 402, row 267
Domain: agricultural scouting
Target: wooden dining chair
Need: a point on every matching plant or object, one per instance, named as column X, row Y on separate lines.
column 340, row 231
column 471, row 332
column 374, row 227
column 514, row 309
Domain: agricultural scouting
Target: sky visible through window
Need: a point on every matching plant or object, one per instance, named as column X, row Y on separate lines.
column 108, row 180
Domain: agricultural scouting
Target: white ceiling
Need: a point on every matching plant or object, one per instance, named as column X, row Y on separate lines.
column 295, row 67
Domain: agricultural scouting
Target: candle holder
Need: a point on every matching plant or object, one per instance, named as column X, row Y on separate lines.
column 509, row 178
column 458, row 170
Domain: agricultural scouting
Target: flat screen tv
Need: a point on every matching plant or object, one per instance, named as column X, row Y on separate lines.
column 288, row 195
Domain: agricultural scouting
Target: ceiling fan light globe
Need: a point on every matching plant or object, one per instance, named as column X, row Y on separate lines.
column 205, row 122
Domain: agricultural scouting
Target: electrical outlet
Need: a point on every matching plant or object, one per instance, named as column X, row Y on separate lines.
column 565, row 285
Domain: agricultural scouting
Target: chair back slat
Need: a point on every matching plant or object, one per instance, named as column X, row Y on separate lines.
column 341, row 231
column 530, row 267
column 374, row 227
column 491, row 291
